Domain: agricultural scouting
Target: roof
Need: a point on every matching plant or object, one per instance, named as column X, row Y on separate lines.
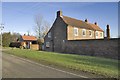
column 95, row 27
column 29, row 38
column 80, row 23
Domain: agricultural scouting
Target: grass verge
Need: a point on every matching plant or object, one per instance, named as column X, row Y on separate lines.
column 96, row 65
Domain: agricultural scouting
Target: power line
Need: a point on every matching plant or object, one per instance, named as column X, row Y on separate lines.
column 23, row 11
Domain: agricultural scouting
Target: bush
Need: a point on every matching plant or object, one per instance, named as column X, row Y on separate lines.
column 15, row 44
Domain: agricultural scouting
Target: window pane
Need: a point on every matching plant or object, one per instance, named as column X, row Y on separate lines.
column 84, row 32
column 90, row 33
column 96, row 33
column 100, row 34
column 47, row 44
column 49, row 34
column 76, row 31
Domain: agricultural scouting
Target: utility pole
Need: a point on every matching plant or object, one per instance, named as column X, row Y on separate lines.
column 1, row 28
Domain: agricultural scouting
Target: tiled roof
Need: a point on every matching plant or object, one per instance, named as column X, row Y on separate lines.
column 30, row 38
column 95, row 27
column 80, row 23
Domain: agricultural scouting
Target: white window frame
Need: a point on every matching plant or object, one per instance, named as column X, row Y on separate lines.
column 49, row 35
column 75, row 32
column 96, row 33
column 47, row 44
column 83, row 31
column 101, row 34
column 91, row 33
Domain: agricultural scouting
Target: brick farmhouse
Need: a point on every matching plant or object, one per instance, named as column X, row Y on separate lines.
column 66, row 29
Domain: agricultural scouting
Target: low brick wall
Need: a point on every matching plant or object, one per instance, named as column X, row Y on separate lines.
column 100, row 47
column 35, row 47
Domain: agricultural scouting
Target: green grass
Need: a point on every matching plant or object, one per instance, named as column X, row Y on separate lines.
column 96, row 65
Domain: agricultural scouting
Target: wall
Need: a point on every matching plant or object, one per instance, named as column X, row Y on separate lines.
column 34, row 46
column 71, row 36
column 99, row 36
column 50, row 40
column 99, row 47
column 58, row 35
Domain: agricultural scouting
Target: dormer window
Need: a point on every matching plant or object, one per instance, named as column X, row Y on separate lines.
column 75, row 31
column 84, row 32
column 49, row 35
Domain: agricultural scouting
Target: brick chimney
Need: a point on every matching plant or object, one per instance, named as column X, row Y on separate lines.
column 86, row 20
column 108, row 32
column 95, row 23
column 59, row 13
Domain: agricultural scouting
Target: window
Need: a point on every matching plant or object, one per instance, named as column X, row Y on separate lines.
column 83, row 32
column 76, row 31
column 49, row 34
column 47, row 44
column 96, row 33
column 90, row 33
column 101, row 34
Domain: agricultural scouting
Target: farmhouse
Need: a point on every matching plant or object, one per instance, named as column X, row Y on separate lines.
column 29, row 42
column 66, row 28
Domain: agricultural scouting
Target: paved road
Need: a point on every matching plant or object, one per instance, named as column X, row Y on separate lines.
column 16, row 67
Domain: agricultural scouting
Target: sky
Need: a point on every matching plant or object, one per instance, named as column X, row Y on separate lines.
column 20, row 16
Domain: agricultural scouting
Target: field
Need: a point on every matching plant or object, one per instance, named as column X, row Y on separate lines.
column 95, row 65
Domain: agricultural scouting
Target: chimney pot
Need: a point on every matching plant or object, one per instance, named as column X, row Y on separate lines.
column 108, row 27
column 86, row 20
column 59, row 13
column 95, row 23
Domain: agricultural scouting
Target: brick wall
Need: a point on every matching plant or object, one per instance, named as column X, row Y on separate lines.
column 58, row 35
column 99, row 47
column 34, row 47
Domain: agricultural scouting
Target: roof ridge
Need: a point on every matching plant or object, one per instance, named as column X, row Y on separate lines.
column 27, row 35
column 73, row 18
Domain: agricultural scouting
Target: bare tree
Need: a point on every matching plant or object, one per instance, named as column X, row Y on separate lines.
column 42, row 27
column 28, row 33
column 38, row 27
column 45, row 28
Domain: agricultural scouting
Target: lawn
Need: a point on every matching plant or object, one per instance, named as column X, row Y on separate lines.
column 96, row 65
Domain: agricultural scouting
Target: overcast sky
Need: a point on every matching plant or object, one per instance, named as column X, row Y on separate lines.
column 19, row 16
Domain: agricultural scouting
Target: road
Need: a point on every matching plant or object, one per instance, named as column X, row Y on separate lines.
column 16, row 67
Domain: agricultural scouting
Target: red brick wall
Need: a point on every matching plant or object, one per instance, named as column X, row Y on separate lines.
column 100, row 47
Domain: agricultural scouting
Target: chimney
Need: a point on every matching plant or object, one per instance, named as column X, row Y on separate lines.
column 95, row 23
column 108, row 31
column 86, row 20
column 59, row 13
